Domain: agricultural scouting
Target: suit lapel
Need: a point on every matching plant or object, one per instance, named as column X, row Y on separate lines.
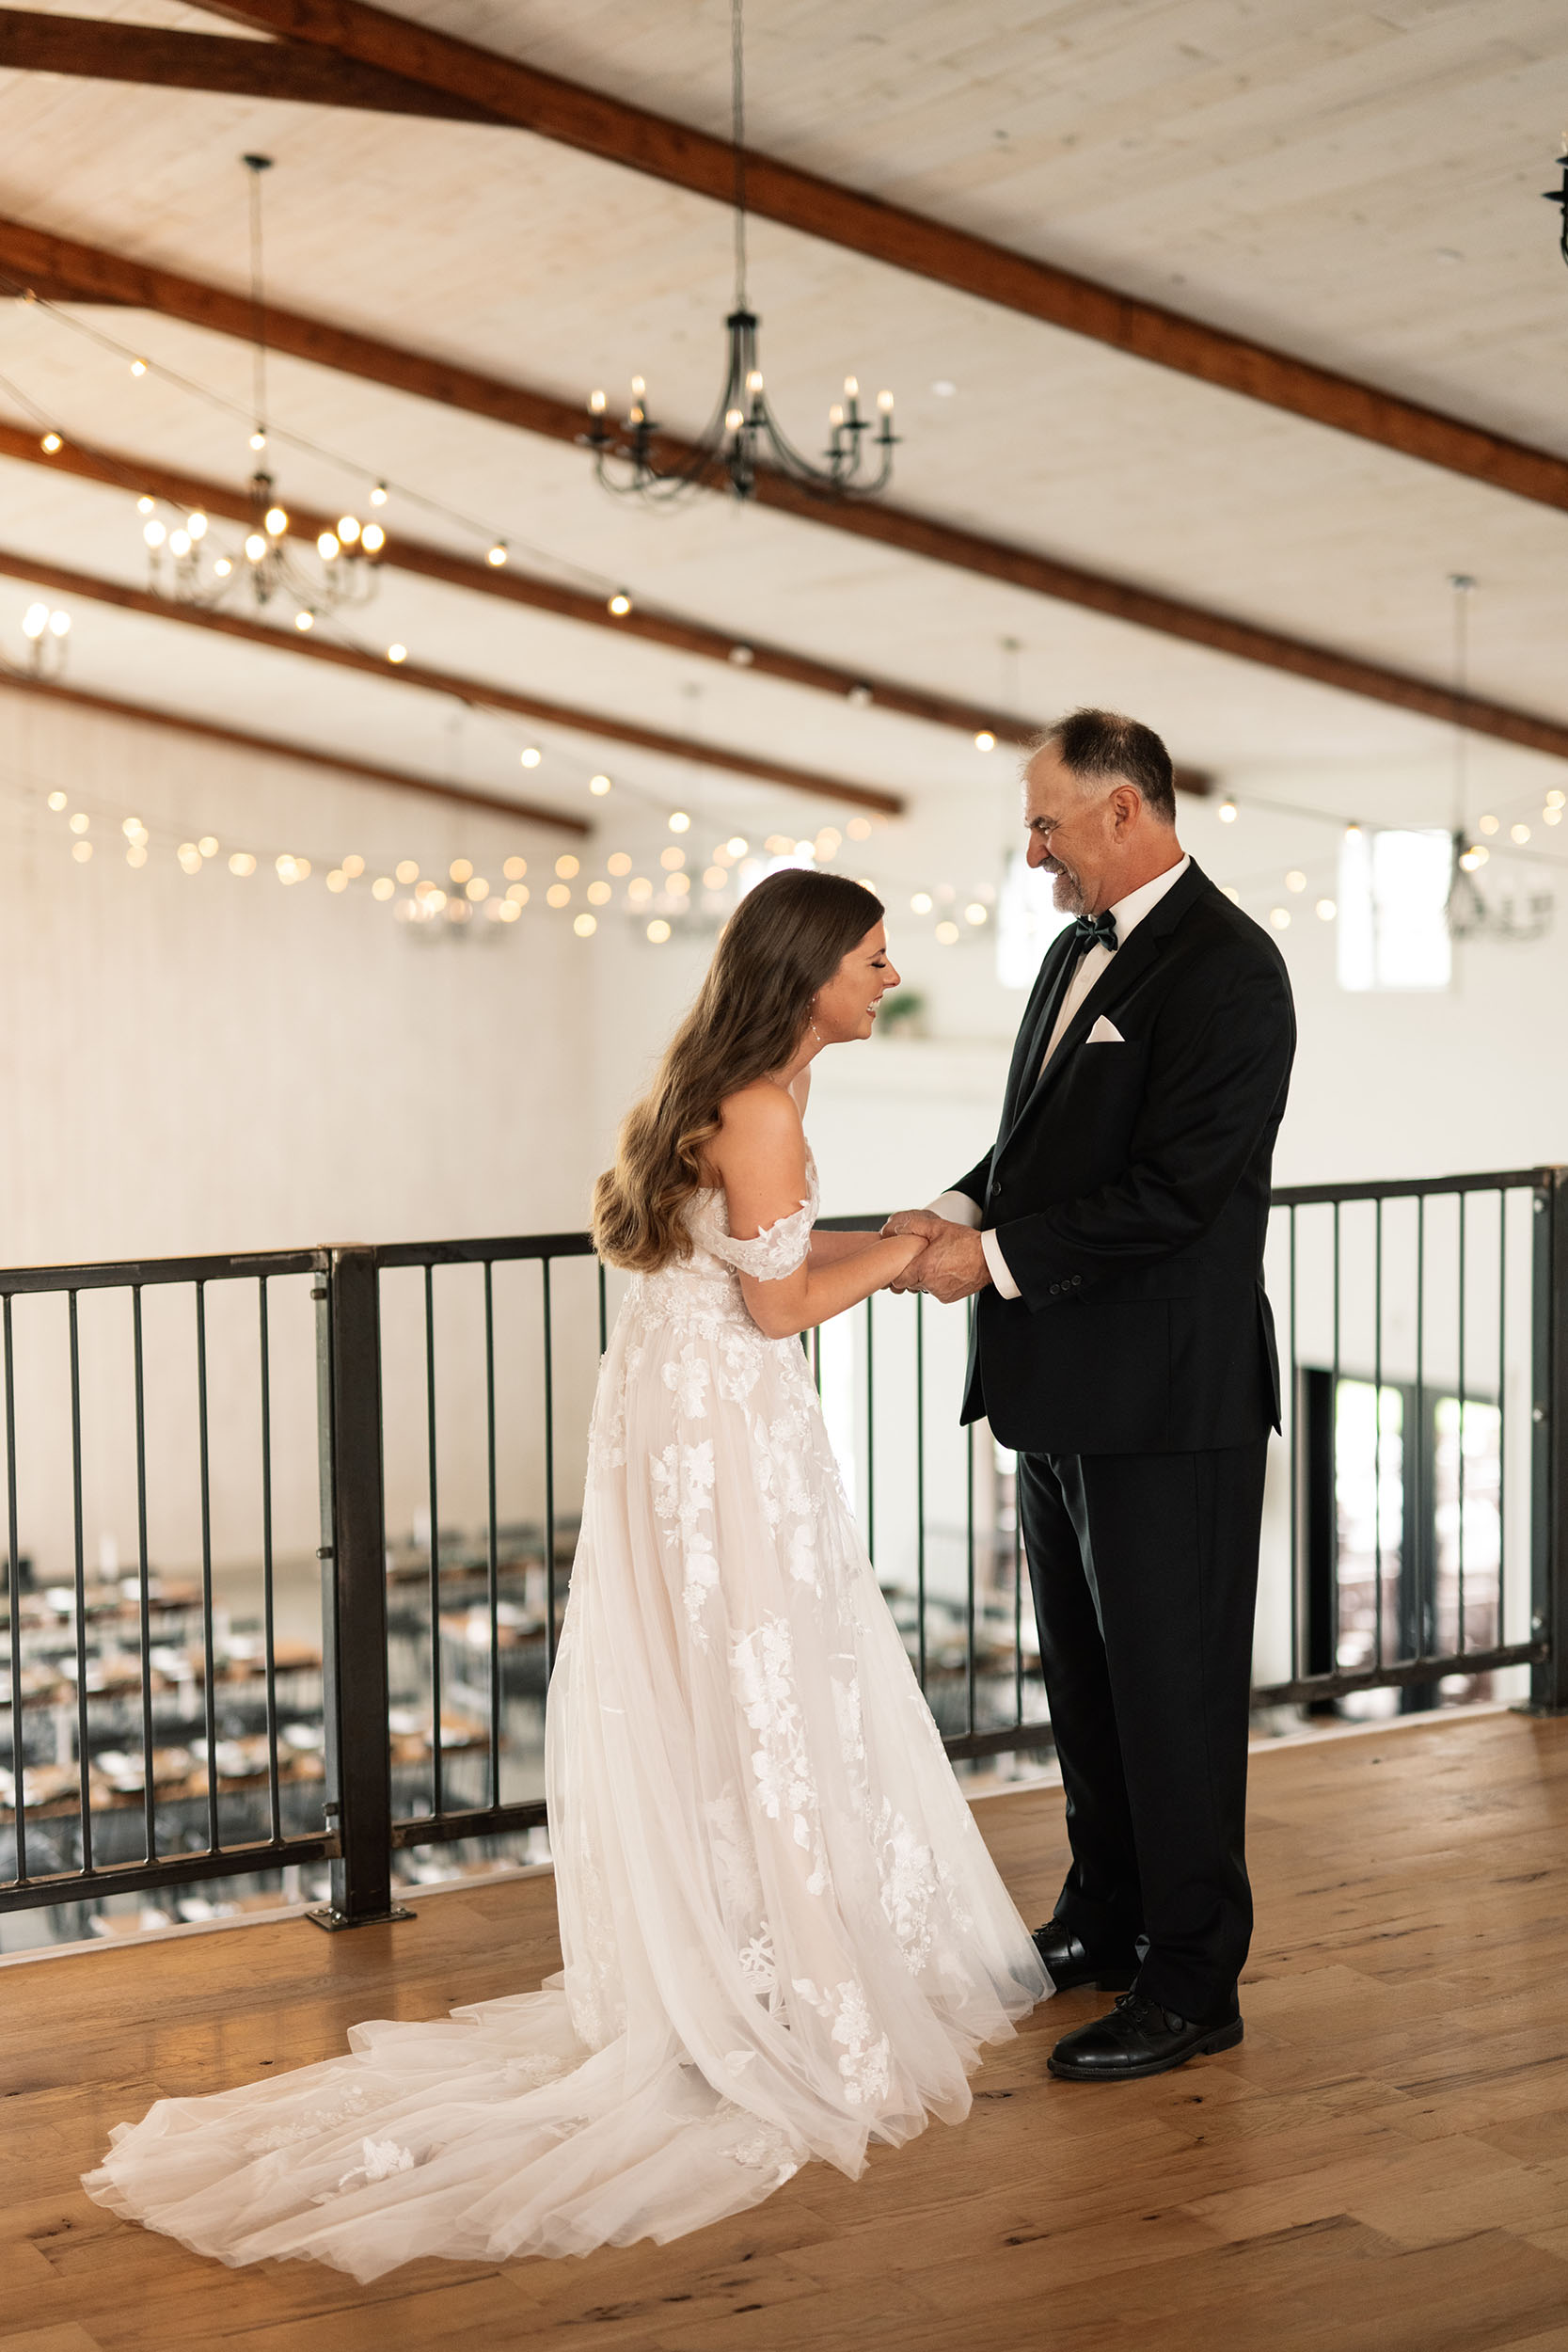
column 1033, row 1032
column 1122, row 974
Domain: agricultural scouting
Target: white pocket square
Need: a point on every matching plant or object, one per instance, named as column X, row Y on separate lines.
column 1106, row 1033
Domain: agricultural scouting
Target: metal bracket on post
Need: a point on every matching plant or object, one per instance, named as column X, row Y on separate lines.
column 1548, row 1684
column 354, row 1594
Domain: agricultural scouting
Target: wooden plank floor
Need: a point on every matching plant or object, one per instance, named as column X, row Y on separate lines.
column 1382, row 2163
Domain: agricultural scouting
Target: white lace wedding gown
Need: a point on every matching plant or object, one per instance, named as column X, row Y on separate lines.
column 783, row 1935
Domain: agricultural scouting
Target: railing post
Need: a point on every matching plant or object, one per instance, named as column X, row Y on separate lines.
column 1548, row 1688
column 354, row 1593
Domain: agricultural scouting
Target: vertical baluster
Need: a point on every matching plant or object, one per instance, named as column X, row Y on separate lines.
column 149, row 1823
column 82, row 1742
column 969, row 1576
column 209, row 1656
column 1377, row 1431
column 438, row 1803
column 1417, row 1541
column 870, row 1428
column 1463, row 1203
column 1292, row 1379
column 492, row 1585
column 18, row 1743
column 919, row 1479
column 550, row 1470
column 1503, row 1407
column 1334, row 1625
column 1018, row 1601
column 269, row 1623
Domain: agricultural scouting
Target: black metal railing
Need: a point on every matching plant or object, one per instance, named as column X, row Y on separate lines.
column 350, row 1475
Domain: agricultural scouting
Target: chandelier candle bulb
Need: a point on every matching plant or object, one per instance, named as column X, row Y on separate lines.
column 328, row 546
column 144, row 506
column 348, row 529
column 154, row 534
column 179, row 543
column 34, row 621
column 373, row 538
column 223, row 567
column 277, row 522
column 595, row 403
column 197, row 525
column 255, row 546
column 258, row 442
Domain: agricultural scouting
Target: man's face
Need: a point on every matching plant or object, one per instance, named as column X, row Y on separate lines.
column 1071, row 830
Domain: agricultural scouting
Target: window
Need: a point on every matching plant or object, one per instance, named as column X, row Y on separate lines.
column 1026, row 923
column 1393, row 909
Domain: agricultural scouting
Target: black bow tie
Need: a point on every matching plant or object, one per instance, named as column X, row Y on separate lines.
column 1095, row 931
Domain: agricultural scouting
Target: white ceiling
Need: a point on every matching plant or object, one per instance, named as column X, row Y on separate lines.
column 1360, row 185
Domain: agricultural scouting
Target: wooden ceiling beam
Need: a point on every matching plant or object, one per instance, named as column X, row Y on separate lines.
column 275, row 747
column 476, row 693
column 27, row 254
column 616, row 132
column 98, row 50
column 514, row 585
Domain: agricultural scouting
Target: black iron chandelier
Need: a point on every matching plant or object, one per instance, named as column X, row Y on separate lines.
column 743, row 435
column 186, row 559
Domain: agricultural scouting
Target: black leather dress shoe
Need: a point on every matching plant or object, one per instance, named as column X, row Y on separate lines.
column 1071, row 1964
column 1139, row 2038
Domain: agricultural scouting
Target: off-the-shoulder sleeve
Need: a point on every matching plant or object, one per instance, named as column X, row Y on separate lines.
column 775, row 1252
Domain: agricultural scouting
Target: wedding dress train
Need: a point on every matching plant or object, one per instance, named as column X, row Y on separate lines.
column 783, row 1935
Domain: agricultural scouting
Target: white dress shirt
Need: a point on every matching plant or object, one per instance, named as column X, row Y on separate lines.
column 1129, row 912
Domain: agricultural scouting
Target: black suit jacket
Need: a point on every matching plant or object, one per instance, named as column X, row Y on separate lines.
column 1129, row 1190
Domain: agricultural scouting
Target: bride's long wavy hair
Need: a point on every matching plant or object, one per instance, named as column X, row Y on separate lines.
column 786, row 939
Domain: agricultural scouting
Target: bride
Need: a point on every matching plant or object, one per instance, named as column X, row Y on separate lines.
column 783, row 1935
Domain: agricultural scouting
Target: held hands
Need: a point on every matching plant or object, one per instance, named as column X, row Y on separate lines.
column 951, row 1266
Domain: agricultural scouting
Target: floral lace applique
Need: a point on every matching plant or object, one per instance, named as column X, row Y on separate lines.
column 866, row 2063
column 349, row 2101
column 381, row 2159
column 689, row 1375
column 683, row 1490
column 764, row 1667
column 527, row 2074
column 733, row 1856
column 595, row 1995
column 760, row 1968
column 910, row 1885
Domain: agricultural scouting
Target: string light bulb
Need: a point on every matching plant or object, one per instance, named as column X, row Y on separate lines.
column 379, row 495
column 496, row 556
column 620, row 604
column 658, row 931
column 985, row 740
column 50, row 443
column 530, row 755
column 679, row 820
column 1227, row 812
column 598, row 786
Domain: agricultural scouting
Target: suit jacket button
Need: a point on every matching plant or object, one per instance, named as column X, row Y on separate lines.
column 1076, row 1279
column 1054, row 1288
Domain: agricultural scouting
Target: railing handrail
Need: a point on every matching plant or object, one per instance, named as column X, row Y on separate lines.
column 495, row 1248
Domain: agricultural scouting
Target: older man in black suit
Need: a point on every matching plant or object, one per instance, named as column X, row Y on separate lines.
column 1123, row 1345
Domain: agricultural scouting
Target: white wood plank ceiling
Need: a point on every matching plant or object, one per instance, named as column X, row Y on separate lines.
column 1356, row 184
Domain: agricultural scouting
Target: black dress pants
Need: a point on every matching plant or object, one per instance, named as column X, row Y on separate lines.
column 1144, row 1574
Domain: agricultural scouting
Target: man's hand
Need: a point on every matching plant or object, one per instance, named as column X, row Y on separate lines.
column 921, row 1221
column 951, row 1266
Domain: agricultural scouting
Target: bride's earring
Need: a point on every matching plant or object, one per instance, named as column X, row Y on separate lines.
column 811, row 1024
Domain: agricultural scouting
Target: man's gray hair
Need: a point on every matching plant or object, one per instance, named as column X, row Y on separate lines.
column 1094, row 745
